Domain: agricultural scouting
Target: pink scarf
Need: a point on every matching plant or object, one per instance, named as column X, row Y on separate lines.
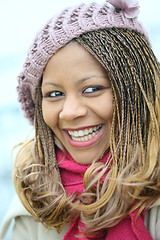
column 72, row 179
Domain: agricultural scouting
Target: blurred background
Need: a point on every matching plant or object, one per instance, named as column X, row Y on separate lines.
column 20, row 20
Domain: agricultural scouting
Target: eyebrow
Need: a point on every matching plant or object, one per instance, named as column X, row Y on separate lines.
column 79, row 81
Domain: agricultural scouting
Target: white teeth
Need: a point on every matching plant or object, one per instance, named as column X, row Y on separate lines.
column 89, row 136
column 76, row 134
column 90, row 130
column 86, row 134
column 85, row 138
column 81, row 133
column 93, row 134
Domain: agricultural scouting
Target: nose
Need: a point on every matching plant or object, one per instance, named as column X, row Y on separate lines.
column 72, row 108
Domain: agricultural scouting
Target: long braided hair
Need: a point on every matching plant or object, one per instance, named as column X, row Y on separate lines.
column 134, row 175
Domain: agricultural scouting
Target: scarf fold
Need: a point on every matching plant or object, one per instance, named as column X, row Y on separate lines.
column 72, row 179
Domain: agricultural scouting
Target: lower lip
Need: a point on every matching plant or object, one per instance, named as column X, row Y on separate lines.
column 83, row 144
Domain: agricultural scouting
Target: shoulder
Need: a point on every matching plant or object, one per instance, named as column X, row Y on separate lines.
column 152, row 220
column 16, row 209
column 25, row 227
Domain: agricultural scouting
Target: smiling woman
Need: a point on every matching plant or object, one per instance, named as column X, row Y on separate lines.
column 90, row 86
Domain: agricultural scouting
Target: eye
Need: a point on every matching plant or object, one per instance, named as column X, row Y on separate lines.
column 54, row 94
column 93, row 89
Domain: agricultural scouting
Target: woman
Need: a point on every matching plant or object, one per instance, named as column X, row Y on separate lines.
column 90, row 86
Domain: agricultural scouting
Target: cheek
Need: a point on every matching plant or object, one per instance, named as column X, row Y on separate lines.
column 107, row 115
column 50, row 116
column 104, row 109
column 108, row 109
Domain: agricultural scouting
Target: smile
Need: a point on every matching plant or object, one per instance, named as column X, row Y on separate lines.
column 84, row 134
column 85, row 137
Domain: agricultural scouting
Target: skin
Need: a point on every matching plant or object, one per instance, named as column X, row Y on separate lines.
column 77, row 95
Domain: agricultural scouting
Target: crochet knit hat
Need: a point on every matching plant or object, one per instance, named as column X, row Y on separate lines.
column 61, row 29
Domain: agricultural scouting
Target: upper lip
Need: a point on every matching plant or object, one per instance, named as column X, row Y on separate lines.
column 80, row 128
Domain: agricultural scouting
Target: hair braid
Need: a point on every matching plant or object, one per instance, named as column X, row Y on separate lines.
column 43, row 133
column 135, row 75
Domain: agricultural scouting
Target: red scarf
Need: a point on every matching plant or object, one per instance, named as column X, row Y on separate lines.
column 72, row 179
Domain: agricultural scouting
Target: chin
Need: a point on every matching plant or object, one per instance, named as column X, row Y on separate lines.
column 86, row 159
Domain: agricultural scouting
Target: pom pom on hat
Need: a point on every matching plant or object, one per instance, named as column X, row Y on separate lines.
column 61, row 29
column 130, row 8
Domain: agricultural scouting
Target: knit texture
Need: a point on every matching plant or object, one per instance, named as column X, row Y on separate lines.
column 72, row 179
column 59, row 30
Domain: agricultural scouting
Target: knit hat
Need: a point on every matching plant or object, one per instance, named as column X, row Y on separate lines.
column 64, row 27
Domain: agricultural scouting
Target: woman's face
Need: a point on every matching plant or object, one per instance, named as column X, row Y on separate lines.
column 77, row 102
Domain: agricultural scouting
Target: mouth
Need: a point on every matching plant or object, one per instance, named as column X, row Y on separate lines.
column 84, row 134
column 84, row 137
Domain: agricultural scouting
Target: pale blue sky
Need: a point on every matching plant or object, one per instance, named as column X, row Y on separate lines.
column 21, row 19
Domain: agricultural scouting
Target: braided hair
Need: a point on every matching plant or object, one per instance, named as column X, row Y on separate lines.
column 134, row 174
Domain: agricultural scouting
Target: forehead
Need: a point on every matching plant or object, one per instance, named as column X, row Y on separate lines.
column 70, row 51
column 72, row 59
